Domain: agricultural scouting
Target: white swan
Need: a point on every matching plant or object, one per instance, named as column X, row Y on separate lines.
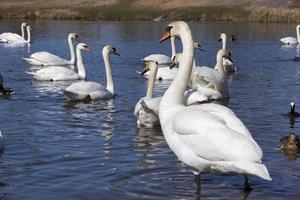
column 4, row 91
column 292, row 40
column 228, row 65
column 146, row 110
column 206, row 137
column 1, row 142
column 58, row 73
column 18, row 39
column 207, row 84
column 6, row 37
column 44, row 58
column 87, row 90
column 162, row 59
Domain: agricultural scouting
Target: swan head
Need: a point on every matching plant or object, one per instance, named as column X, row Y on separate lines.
column 174, row 29
column 150, row 65
column 24, row 24
column 198, row 46
column 74, row 36
column 224, row 53
column 222, row 37
column 298, row 26
column 110, row 49
column 83, row 47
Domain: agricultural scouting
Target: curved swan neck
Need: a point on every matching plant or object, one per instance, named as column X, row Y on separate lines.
column 153, row 72
column 80, row 66
column 298, row 33
column 173, row 46
column 22, row 31
column 110, row 83
column 174, row 95
column 29, row 36
column 72, row 53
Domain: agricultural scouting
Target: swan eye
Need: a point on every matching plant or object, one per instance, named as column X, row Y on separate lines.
column 168, row 29
column 114, row 49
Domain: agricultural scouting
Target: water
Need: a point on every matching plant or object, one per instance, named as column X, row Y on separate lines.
column 58, row 150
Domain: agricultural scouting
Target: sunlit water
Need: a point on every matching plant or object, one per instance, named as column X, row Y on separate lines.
column 59, row 150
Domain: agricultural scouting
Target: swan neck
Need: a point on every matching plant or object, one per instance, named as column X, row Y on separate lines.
column 22, row 31
column 80, row 66
column 219, row 63
column 174, row 95
column 29, row 36
column 110, row 83
column 173, row 46
column 224, row 41
column 153, row 72
column 72, row 53
column 298, row 33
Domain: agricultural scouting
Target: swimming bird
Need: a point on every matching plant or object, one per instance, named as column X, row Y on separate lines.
column 146, row 110
column 59, row 73
column 207, row 83
column 162, row 59
column 292, row 40
column 88, row 90
column 4, row 91
column 13, row 37
column 228, row 65
column 206, row 137
column 44, row 58
column 290, row 142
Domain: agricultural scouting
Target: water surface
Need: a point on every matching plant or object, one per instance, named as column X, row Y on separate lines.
column 60, row 150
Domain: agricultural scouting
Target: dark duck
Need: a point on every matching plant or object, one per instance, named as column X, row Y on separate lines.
column 4, row 91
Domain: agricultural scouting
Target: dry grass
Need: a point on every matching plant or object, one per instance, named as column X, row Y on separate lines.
column 90, row 10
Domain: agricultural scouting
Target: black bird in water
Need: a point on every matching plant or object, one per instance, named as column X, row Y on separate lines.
column 4, row 91
column 293, row 113
column 233, row 38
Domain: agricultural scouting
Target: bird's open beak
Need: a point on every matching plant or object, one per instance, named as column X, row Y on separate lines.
column 87, row 49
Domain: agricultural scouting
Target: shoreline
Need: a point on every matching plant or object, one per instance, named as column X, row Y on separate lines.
column 132, row 13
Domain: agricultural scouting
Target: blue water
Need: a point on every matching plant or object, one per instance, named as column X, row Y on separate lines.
column 61, row 150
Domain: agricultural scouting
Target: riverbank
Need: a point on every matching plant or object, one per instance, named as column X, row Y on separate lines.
column 128, row 12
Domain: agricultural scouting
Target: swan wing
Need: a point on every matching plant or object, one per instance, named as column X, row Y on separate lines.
column 81, row 90
column 48, row 58
column 159, row 58
column 230, row 118
column 193, row 96
column 152, row 104
column 289, row 40
column 11, row 37
column 211, row 138
column 55, row 73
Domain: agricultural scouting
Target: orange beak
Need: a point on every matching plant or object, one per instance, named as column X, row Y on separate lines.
column 165, row 36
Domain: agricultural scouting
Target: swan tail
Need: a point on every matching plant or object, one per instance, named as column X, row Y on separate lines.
column 75, row 97
column 32, row 61
column 248, row 168
column 31, row 73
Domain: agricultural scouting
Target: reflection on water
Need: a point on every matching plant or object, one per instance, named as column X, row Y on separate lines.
column 79, row 150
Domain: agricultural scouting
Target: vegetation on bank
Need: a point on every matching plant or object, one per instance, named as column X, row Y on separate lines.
column 127, row 12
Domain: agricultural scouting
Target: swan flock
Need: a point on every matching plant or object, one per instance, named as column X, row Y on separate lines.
column 204, row 135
